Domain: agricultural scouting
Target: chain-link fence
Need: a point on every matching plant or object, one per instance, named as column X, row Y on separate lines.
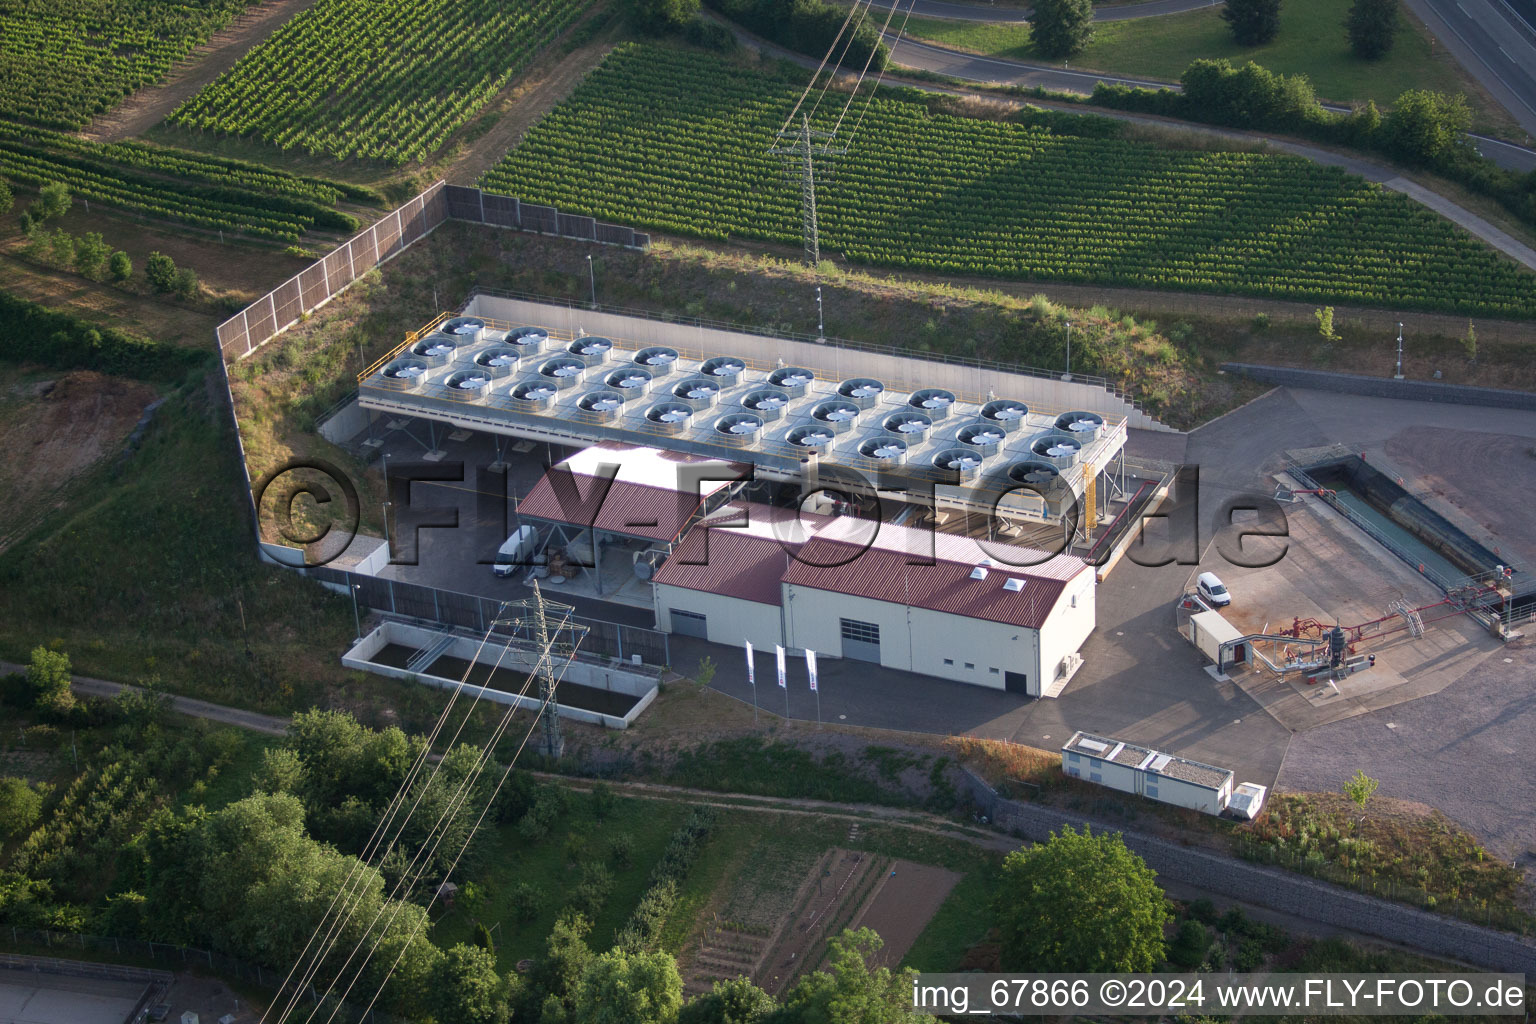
column 327, row 277
column 170, row 957
column 322, row 280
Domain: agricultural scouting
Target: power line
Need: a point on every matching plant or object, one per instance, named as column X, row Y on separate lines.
column 456, row 803
column 817, row 73
column 506, row 772
column 370, row 848
column 874, row 49
column 842, row 58
column 444, row 817
column 869, row 102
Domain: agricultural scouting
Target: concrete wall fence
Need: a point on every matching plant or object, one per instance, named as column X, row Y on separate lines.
column 1277, row 889
column 598, row 677
column 1385, row 387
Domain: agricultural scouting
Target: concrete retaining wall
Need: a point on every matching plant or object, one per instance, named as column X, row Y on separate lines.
column 1384, row 387
column 844, row 362
column 1279, row 890
column 598, row 677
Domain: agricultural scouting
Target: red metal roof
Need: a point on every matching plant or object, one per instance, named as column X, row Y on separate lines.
column 851, row 557
column 641, row 501
column 739, row 551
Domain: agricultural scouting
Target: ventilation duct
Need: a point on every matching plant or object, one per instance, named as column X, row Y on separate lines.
column 528, row 339
column 630, row 381
column 534, row 396
column 963, row 461
column 794, row 379
column 658, row 359
column 498, row 360
column 888, row 451
column 934, row 402
column 838, row 414
column 697, row 392
column 670, row 418
column 469, row 385
column 591, row 350
column 818, row 437
column 984, row 436
column 769, row 403
column 1006, row 413
column 436, row 349
column 602, row 405
column 726, row 369
column 1085, row 426
column 564, row 371
column 1058, row 448
column 405, row 373
column 861, row 391
column 739, row 429
column 911, row 425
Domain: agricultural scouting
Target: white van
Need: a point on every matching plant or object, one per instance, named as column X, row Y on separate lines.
column 1211, row 590
column 518, row 551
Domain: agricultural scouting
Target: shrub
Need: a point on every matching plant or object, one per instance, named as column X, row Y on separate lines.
column 526, row 901
column 92, row 255
column 663, row 15
column 120, row 267
column 20, row 805
column 160, row 269
column 1189, row 946
column 7, row 200
column 622, row 849
column 184, row 285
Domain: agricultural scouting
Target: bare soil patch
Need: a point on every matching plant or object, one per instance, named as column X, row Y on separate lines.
column 52, row 432
column 148, row 107
column 151, row 318
column 902, row 905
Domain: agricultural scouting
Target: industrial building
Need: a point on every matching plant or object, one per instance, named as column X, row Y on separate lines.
column 1146, row 772
column 1026, row 468
column 942, row 605
column 706, row 444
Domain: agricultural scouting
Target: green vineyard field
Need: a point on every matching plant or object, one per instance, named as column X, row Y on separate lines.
column 675, row 141
column 68, row 60
column 382, row 80
column 202, row 192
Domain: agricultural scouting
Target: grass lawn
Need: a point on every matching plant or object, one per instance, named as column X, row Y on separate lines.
column 508, row 859
column 1311, row 42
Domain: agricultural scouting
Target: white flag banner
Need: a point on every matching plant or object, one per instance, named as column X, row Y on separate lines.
column 779, row 653
column 751, row 669
column 810, row 667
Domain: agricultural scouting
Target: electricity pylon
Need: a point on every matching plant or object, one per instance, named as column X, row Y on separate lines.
column 530, row 627
column 800, row 156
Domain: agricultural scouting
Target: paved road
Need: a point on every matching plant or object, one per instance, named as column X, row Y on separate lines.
column 1494, row 44
column 993, row 13
column 970, row 67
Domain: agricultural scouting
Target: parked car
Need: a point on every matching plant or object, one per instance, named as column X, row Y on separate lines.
column 1212, row 591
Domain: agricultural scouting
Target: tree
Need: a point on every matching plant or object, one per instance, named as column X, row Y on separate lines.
column 20, row 804
column 466, row 988
column 1428, row 127
column 1372, row 25
column 556, row 976
column 483, row 937
column 48, row 679
column 120, row 266
column 91, row 255
column 602, row 800
column 526, row 901
column 1080, row 902
column 161, row 271
column 280, row 771
column 1360, row 789
column 852, row 993
column 1061, row 28
column 658, row 16
column 52, row 201
column 184, row 285
column 629, row 988
column 1253, row 22
column 737, row 1001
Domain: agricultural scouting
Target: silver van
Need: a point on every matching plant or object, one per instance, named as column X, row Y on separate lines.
column 517, row 552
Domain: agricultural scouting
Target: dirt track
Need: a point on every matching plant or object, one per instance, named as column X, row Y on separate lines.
column 148, row 107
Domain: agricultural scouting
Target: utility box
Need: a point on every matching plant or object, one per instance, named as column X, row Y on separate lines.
column 188, row 1017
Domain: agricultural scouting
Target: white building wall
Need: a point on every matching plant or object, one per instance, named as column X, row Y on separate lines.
column 1184, row 794
column 1130, row 779
column 728, row 620
column 1067, row 627
column 915, row 639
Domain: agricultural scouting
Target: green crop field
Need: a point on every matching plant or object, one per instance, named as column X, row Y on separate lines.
column 384, row 80
column 186, row 188
column 677, row 141
column 66, row 60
